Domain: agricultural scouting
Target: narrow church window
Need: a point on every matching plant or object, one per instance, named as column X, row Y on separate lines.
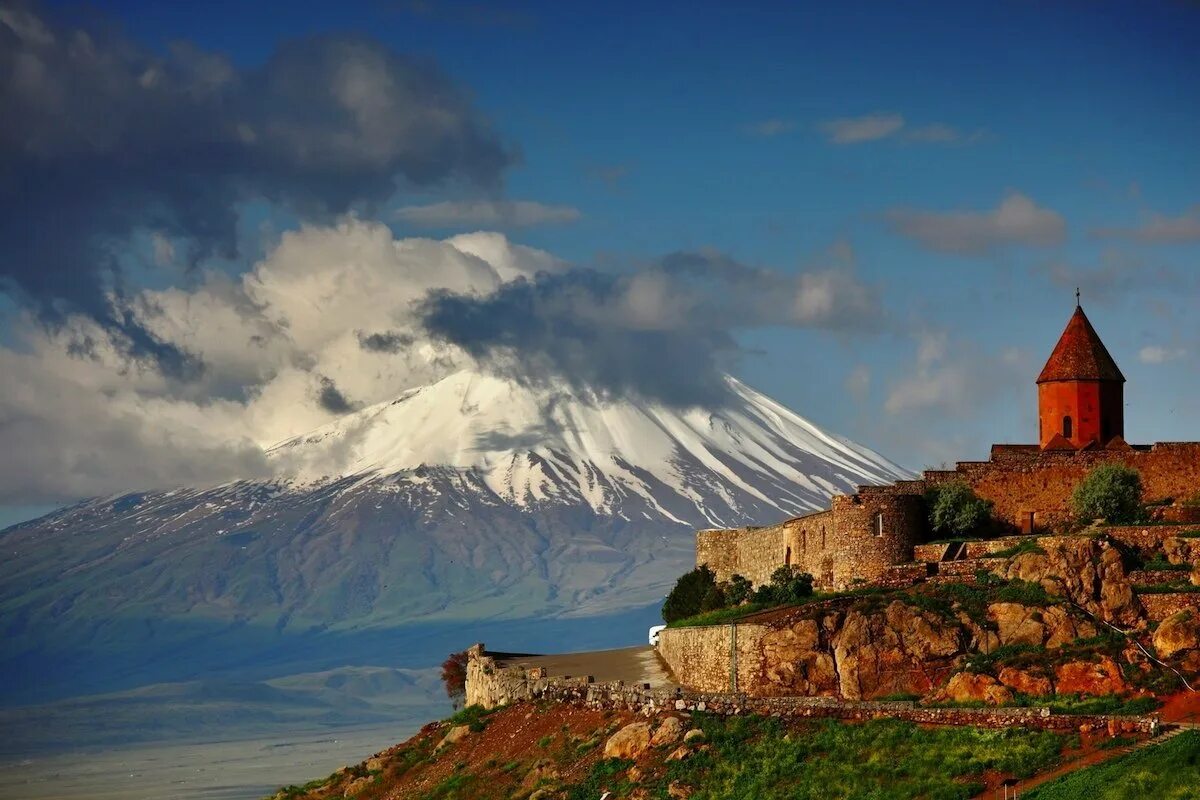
column 822, row 537
column 1067, row 427
column 803, row 541
column 787, row 557
column 879, row 524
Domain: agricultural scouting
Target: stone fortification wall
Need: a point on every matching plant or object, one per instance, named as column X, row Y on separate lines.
column 873, row 530
column 753, row 553
column 708, row 658
column 1020, row 480
column 855, row 542
column 620, row 696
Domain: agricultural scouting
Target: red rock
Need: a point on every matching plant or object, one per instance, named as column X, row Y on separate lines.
column 1097, row 678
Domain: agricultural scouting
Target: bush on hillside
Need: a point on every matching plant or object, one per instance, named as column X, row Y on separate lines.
column 955, row 509
column 1112, row 492
column 454, row 676
column 687, row 598
column 788, row 585
column 737, row 591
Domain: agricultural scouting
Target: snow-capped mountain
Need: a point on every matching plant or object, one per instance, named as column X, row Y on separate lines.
column 474, row 498
column 529, row 447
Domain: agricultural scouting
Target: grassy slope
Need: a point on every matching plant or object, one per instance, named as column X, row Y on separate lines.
column 1170, row 771
column 746, row 758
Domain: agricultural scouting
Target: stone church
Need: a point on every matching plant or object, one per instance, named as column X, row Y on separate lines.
column 1081, row 423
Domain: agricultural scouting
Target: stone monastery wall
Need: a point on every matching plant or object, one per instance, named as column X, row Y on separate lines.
column 1020, row 480
column 864, row 534
column 855, row 541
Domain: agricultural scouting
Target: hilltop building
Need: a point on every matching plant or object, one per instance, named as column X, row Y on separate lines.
column 863, row 537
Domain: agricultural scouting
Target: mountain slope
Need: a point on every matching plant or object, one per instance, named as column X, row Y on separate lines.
column 471, row 499
column 533, row 447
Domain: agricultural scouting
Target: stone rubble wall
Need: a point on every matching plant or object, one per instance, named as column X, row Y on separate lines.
column 1160, row 606
column 486, row 681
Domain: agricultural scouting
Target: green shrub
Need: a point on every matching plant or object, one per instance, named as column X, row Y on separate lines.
column 1110, row 491
column 687, row 598
column 737, row 591
column 954, row 508
column 714, row 599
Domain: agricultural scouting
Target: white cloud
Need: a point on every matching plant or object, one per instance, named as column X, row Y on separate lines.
column 1160, row 229
column 1156, row 354
column 951, row 377
column 873, row 127
column 1017, row 220
column 854, row 130
column 91, row 419
column 487, row 213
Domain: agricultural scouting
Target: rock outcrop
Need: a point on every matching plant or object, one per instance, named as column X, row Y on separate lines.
column 629, row 742
column 1176, row 634
column 968, row 687
column 1092, row 678
column 1085, row 570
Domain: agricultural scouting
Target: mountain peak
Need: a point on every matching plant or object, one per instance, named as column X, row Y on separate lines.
column 548, row 443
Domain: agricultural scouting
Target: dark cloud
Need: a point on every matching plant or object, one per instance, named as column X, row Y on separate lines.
column 386, row 342
column 332, row 400
column 664, row 332
column 103, row 139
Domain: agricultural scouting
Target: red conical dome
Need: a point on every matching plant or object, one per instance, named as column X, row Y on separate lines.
column 1080, row 355
column 1080, row 391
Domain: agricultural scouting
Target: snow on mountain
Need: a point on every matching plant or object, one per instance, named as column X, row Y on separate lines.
column 401, row 529
column 741, row 463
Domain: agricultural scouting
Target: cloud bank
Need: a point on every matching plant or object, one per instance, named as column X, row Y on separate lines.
column 104, row 139
column 1017, row 220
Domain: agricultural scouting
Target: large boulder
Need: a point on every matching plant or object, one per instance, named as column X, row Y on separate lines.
column 668, row 731
column 629, row 742
column 1083, row 569
column 1095, row 678
column 1026, row 682
column 455, row 734
column 795, row 661
column 1176, row 634
column 967, row 687
column 1062, row 627
column 1018, row 624
column 904, row 650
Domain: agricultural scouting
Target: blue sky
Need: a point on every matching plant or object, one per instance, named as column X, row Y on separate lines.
column 880, row 136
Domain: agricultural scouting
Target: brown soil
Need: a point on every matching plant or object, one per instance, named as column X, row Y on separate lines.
column 500, row 756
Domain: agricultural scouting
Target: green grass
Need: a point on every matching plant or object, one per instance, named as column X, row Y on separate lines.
column 458, row 786
column 472, row 717
column 1160, row 564
column 1169, row 771
column 1026, row 546
column 754, row 758
column 1190, row 534
column 718, row 617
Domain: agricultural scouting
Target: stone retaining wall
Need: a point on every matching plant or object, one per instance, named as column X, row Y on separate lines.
column 706, row 657
column 486, row 681
column 1160, row 606
column 1145, row 537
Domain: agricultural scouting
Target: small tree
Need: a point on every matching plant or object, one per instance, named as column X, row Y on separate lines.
column 955, row 509
column 454, row 676
column 687, row 598
column 1110, row 491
